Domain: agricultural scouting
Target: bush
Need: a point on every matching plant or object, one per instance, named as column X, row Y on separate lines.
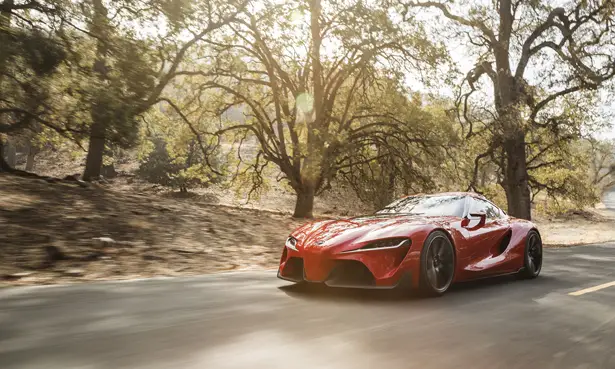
column 176, row 172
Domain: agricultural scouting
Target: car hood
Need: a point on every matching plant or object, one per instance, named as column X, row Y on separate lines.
column 357, row 230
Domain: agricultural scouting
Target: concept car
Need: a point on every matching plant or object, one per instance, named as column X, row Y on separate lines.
column 426, row 241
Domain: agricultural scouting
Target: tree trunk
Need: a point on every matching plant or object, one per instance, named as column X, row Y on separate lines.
column 96, row 149
column 516, row 183
column 311, row 170
column 305, row 203
column 11, row 153
column 4, row 166
column 30, row 158
column 108, row 171
column 5, row 23
column 5, row 16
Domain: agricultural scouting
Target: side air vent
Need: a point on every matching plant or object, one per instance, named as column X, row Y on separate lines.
column 505, row 242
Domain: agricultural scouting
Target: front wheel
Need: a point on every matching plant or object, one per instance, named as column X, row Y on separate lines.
column 532, row 264
column 437, row 264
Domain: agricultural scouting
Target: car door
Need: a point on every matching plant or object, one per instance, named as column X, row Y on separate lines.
column 485, row 239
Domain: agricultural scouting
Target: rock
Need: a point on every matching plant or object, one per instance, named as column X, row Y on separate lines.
column 93, row 256
column 103, row 242
column 129, row 243
column 185, row 251
column 211, row 230
column 74, row 177
column 166, row 271
column 110, row 250
column 153, row 257
column 74, row 272
column 19, row 275
column 53, row 254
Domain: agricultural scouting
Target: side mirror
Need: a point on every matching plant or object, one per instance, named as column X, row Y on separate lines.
column 481, row 222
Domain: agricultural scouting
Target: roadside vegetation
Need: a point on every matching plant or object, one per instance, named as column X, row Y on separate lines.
column 143, row 121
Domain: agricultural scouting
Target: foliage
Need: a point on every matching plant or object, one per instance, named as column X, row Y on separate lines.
column 310, row 112
column 389, row 167
column 602, row 161
column 171, row 156
column 182, row 172
column 532, row 56
column 29, row 62
column 315, row 94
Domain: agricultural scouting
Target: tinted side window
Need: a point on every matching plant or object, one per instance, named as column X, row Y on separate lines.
column 479, row 206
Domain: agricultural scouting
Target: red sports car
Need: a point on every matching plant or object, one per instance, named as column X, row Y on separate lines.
column 429, row 241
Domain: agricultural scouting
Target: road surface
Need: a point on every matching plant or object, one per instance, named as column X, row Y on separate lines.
column 252, row 320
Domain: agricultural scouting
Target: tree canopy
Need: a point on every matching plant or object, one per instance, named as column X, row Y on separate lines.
column 319, row 94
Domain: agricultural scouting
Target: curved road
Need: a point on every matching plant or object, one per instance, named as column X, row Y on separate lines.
column 252, row 320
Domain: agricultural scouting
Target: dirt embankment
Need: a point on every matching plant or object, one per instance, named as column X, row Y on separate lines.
column 48, row 233
column 65, row 231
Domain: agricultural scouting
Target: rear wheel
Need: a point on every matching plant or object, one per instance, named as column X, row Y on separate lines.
column 532, row 264
column 437, row 264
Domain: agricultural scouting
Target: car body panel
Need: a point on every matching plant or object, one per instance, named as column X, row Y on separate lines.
column 323, row 247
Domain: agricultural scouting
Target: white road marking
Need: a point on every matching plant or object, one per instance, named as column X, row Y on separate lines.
column 592, row 289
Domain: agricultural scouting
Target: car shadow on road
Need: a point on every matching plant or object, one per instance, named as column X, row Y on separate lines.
column 313, row 291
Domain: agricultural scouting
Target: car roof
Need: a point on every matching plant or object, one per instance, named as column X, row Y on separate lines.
column 472, row 194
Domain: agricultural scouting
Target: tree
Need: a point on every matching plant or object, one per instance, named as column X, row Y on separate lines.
column 28, row 63
column 602, row 163
column 301, row 73
column 533, row 55
column 178, row 171
column 384, row 168
column 131, row 67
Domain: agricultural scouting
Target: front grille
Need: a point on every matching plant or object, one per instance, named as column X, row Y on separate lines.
column 350, row 273
column 293, row 269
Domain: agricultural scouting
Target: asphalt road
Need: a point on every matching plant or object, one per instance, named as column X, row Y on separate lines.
column 252, row 320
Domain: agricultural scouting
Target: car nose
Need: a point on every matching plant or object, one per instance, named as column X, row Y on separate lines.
column 317, row 262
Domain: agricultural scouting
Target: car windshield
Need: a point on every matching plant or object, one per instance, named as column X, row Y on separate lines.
column 435, row 205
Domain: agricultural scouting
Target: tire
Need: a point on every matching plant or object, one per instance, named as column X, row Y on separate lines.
column 437, row 264
column 532, row 256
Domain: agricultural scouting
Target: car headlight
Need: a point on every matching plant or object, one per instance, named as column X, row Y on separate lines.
column 291, row 243
column 389, row 243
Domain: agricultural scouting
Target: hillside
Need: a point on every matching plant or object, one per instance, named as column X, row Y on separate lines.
column 49, row 230
column 153, row 235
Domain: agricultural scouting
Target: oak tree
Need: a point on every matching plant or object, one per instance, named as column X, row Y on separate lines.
column 529, row 56
column 301, row 73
